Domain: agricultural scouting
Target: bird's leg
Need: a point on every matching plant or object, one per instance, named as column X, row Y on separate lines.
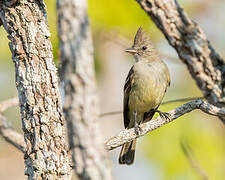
column 163, row 114
column 137, row 129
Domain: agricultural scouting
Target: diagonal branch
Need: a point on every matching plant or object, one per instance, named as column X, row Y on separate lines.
column 6, row 131
column 4, row 105
column 129, row 134
column 10, row 135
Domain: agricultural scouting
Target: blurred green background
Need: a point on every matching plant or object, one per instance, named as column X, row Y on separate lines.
column 114, row 24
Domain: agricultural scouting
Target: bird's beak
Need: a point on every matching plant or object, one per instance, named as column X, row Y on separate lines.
column 131, row 50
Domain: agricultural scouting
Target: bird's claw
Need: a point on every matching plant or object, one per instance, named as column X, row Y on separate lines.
column 137, row 129
column 164, row 115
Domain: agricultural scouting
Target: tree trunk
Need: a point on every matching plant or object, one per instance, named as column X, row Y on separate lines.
column 80, row 102
column 46, row 155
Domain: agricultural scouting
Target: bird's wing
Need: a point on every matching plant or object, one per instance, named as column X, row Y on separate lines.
column 149, row 115
column 127, row 88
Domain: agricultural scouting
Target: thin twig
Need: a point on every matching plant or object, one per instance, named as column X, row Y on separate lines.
column 4, row 105
column 6, row 131
column 193, row 160
column 129, row 134
column 163, row 103
column 181, row 100
column 10, row 135
column 110, row 113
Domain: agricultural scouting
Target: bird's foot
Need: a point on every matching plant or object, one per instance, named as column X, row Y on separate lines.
column 137, row 129
column 164, row 115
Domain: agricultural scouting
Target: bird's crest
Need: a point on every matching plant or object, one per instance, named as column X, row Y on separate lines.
column 141, row 37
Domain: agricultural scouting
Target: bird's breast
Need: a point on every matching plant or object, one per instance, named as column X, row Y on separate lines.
column 148, row 88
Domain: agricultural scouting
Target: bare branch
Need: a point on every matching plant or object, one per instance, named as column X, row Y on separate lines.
column 193, row 160
column 129, row 134
column 181, row 100
column 6, row 130
column 163, row 103
column 110, row 113
column 10, row 135
column 192, row 46
column 4, row 105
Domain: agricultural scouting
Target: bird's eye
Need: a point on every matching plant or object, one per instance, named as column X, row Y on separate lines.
column 144, row 47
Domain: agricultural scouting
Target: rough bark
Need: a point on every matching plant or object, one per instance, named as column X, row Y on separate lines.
column 46, row 155
column 80, row 102
column 192, row 46
column 129, row 134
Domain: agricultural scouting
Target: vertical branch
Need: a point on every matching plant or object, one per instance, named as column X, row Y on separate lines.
column 46, row 155
column 80, row 102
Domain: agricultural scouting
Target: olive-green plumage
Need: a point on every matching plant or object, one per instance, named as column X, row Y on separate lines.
column 144, row 89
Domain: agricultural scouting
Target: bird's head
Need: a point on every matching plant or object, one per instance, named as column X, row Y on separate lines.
column 142, row 47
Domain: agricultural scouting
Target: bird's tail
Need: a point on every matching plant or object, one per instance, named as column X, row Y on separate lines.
column 127, row 153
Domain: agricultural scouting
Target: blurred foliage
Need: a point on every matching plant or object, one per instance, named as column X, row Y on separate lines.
column 4, row 48
column 52, row 21
column 162, row 147
column 123, row 15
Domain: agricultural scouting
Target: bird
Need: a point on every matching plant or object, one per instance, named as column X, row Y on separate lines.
column 145, row 87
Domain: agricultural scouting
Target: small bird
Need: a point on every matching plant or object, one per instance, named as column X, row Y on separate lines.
column 145, row 86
